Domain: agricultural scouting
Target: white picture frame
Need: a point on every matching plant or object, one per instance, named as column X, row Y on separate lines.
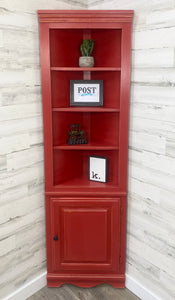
column 98, row 168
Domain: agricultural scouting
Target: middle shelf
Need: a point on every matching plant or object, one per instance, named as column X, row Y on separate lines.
column 85, row 109
column 90, row 146
column 60, row 87
column 101, row 129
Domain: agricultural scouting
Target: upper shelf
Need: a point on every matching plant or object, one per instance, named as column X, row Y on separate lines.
column 65, row 48
column 94, row 69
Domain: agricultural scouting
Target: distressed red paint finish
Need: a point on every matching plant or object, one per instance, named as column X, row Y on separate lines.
column 85, row 220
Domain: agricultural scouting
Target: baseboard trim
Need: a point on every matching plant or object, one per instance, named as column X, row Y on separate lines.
column 139, row 290
column 39, row 282
column 28, row 289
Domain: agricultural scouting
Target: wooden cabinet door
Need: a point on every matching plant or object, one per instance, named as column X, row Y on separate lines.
column 86, row 235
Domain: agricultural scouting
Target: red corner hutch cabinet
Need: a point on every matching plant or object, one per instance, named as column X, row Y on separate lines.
column 85, row 220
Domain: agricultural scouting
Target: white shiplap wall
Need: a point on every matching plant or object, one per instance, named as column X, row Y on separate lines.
column 22, row 223
column 151, row 180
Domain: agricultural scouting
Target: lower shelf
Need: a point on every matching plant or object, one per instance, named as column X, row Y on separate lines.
column 84, row 183
column 71, row 168
column 90, row 280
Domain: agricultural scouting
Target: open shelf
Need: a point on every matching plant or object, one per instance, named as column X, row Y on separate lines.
column 85, row 109
column 83, row 183
column 65, row 46
column 91, row 146
column 94, row 69
column 60, row 87
column 77, row 166
column 100, row 128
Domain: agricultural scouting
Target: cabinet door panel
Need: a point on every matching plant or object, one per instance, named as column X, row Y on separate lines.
column 88, row 234
column 85, row 234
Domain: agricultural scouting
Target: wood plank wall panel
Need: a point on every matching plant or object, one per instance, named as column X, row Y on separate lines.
column 151, row 238
column 22, row 220
column 151, row 180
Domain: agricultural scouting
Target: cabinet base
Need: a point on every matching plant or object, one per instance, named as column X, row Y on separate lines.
column 86, row 281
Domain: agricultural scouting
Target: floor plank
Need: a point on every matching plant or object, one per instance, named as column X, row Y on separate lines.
column 71, row 292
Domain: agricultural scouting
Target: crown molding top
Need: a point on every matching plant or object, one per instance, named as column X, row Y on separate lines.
column 86, row 16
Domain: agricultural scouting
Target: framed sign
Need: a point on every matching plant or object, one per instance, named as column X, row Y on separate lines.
column 98, row 168
column 86, row 92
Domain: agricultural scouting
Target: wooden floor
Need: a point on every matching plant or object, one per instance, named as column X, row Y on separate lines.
column 71, row 292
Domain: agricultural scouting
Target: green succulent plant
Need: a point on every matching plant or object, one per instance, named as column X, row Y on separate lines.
column 86, row 47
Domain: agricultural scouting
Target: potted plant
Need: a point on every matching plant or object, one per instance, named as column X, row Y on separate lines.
column 86, row 48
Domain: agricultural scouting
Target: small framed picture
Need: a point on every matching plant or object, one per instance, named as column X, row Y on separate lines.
column 98, row 168
column 86, row 92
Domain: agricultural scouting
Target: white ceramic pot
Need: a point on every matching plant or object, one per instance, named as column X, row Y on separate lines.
column 86, row 61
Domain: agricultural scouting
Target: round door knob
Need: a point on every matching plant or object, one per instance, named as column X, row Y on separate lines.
column 55, row 238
